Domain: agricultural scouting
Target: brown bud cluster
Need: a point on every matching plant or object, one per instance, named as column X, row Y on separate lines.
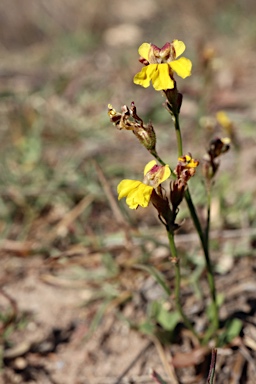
column 129, row 120
column 185, row 169
column 211, row 162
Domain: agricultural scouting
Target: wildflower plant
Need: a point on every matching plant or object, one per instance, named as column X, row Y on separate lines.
column 160, row 67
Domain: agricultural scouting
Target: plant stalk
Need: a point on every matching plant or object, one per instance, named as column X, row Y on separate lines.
column 174, row 254
column 178, row 134
column 204, row 238
column 208, row 221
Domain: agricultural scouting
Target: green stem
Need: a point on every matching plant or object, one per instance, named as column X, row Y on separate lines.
column 209, row 267
column 155, row 154
column 178, row 134
column 185, row 319
column 203, row 238
column 208, row 221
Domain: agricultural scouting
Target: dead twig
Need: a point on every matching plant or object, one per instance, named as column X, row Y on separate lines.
column 113, row 204
column 13, row 315
column 167, row 363
column 69, row 218
column 212, row 366
column 133, row 362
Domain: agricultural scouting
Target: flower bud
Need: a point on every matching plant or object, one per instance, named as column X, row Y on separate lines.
column 177, row 190
column 146, row 136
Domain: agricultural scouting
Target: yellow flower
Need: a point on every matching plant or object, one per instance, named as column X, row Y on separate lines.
column 160, row 63
column 139, row 193
column 188, row 162
column 226, row 123
column 186, row 168
column 223, row 120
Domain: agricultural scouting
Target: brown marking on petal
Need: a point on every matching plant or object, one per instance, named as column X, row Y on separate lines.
column 160, row 55
column 154, row 169
column 143, row 61
column 155, row 49
column 165, row 51
column 154, row 54
column 154, row 176
column 173, row 52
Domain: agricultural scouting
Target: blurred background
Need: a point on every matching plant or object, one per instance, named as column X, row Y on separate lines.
column 61, row 63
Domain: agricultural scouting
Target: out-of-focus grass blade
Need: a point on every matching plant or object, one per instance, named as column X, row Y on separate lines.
column 97, row 319
column 158, row 379
column 158, row 276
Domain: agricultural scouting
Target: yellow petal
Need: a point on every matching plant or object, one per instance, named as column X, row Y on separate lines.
column 149, row 166
column 160, row 176
column 182, row 67
column 179, row 47
column 144, row 51
column 161, row 78
column 189, row 161
column 126, row 186
column 144, row 76
column 223, row 119
column 226, row 140
column 166, row 174
column 139, row 196
column 192, row 164
column 188, row 158
column 131, row 203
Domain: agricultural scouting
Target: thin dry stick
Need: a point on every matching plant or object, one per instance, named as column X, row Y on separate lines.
column 245, row 352
column 169, row 369
column 134, row 361
column 69, row 218
column 237, row 369
column 21, row 248
column 212, row 366
column 113, row 204
column 107, row 189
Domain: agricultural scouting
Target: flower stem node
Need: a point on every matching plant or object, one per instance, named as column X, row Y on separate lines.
column 160, row 65
column 173, row 100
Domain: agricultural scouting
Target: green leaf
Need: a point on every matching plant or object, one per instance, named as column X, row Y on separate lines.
column 147, row 328
column 110, row 264
column 153, row 309
column 158, row 276
column 210, row 308
column 167, row 319
column 232, row 329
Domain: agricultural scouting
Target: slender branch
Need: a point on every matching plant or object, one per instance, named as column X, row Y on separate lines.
column 205, row 246
column 174, row 254
column 208, row 220
column 204, row 238
column 155, row 154
column 178, row 133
